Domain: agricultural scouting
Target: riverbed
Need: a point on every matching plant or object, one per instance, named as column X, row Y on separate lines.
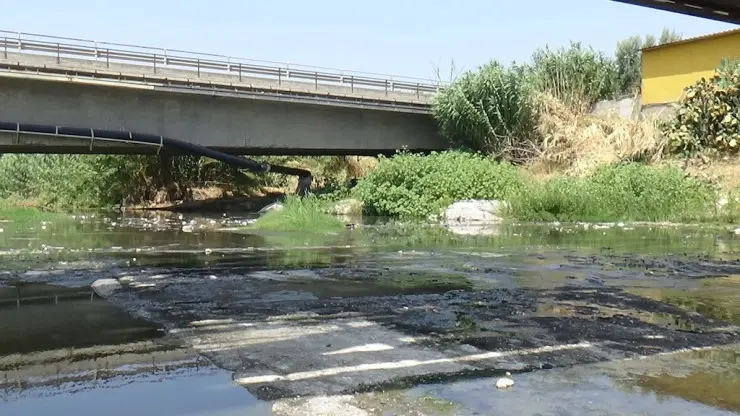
column 173, row 314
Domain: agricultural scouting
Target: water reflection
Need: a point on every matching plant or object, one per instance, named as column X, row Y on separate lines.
column 42, row 317
column 710, row 377
column 66, row 349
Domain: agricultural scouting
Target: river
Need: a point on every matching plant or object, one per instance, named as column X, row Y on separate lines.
column 172, row 314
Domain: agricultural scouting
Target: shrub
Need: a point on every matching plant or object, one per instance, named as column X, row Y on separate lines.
column 300, row 214
column 415, row 186
column 490, row 110
column 623, row 192
column 91, row 181
column 577, row 76
column 708, row 114
column 71, row 181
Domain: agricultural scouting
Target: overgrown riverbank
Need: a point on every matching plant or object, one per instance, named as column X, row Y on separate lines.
column 522, row 133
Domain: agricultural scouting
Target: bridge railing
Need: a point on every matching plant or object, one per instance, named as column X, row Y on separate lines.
column 156, row 58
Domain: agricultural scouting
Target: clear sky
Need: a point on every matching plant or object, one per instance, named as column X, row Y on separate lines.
column 403, row 37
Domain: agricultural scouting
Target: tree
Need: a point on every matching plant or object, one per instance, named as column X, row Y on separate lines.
column 629, row 59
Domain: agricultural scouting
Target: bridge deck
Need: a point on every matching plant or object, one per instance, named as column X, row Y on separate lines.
column 42, row 68
column 44, row 54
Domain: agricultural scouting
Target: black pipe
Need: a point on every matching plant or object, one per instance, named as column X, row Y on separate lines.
column 304, row 176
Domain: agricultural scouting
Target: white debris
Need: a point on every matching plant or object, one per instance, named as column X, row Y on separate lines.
column 505, row 382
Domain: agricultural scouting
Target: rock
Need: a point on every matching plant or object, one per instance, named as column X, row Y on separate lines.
column 105, row 287
column 475, row 211
column 319, row 406
column 350, row 206
column 275, row 206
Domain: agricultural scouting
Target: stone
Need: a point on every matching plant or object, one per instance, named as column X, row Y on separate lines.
column 105, row 287
column 319, row 405
column 475, row 211
column 349, row 206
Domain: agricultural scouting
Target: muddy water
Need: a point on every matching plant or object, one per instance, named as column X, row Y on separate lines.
column 172, row 315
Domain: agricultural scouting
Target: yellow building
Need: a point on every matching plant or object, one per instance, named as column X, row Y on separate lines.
column 668, row 69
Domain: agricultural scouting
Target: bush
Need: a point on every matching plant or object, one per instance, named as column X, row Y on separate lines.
column 92, row 181
column 577, row 76
column 623, row 192
column 415, row 186
column 300, row 214
column 708, row 115
column 70, row 181
column 490, row 110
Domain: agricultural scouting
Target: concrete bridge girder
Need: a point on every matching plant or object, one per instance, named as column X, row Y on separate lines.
column 229, row 122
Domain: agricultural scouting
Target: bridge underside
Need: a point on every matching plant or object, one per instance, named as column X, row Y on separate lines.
column 44, row 144
column 721, row 10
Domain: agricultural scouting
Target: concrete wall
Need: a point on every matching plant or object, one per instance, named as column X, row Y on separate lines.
column 668, row 69
column 627, row 107
column 631, row 108
column 237, row 124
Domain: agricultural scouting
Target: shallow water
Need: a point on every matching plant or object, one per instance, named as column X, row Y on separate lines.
column 211, row 318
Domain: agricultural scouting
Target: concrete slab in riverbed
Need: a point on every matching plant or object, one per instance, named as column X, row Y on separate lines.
column 280, row 343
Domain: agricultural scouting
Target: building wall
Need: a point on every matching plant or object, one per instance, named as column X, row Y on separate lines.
column 668, row 69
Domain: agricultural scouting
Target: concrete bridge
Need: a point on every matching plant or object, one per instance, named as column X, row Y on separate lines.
column 727, row 11
column 229, row 104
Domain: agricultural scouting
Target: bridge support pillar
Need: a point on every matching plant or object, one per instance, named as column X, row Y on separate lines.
column 304, row 185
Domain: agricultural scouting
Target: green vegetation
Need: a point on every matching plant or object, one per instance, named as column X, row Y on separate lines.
column 415, row 186
column 300, row 214
column 622, row 192
column 93, row 181
column 708, row 116
column 576, row 76
column 491, row 110
column 25, row 215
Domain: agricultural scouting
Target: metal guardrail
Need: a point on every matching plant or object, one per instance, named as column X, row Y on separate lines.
column 111, row 53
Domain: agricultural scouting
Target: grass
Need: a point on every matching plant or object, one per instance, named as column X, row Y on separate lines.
column 19, row 214
column 300, row 214
column 631, row 191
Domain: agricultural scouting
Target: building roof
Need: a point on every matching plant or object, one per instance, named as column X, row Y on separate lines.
column 721, row 10
column 694, row 39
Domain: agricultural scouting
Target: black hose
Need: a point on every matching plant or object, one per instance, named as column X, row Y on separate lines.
column 304, row 176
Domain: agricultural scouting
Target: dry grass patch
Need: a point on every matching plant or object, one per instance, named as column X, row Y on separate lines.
column 577, row 142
